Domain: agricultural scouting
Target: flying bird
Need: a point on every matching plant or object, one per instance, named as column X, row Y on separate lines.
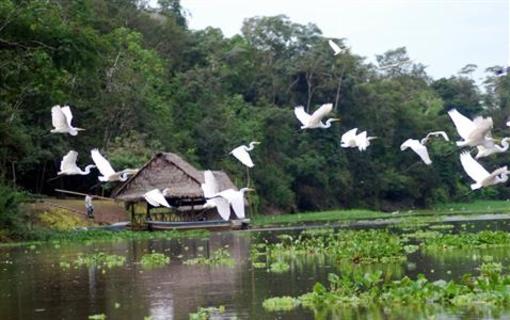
column 503, row 72
column 474, row 132
column 419, row 146
column 242, row 154
column 315, row 120
column 435, row 134
column 68, row 165
column 106, row 169
column 156, row 198
column 236, row 199
column 492, row 148
column 481, row 176
column 352, row 140
column 61, row 119
column 211, row 189
column 335, row 47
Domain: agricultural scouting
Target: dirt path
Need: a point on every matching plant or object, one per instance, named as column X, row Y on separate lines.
column 105, row 211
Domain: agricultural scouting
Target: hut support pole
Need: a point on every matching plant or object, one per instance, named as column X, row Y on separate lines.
column 132, row 205
column 148, row 215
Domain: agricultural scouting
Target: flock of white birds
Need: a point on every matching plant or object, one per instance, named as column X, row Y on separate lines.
column 222, row 200
column 475, row 133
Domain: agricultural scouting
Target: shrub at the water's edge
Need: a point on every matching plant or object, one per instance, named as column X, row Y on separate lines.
column 12, row 220
column 490, row 288
column 60, row 220
column 154, row 259
column 206, row 313
column 217, row 258
column 361, row 246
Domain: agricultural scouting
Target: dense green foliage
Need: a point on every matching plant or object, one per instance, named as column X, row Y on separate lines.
column 355, row 289
column 12, row 220
column 140, row 82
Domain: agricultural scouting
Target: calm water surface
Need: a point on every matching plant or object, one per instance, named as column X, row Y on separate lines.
column 33, row 285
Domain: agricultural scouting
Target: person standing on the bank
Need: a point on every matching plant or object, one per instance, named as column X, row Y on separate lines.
column 89, row 206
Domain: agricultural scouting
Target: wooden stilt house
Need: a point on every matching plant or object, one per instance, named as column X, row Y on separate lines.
column 181, row 182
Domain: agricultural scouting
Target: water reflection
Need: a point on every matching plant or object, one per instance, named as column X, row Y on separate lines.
column 33, row 285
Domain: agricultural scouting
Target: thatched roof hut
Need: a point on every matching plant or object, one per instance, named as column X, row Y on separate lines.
column 169, row 171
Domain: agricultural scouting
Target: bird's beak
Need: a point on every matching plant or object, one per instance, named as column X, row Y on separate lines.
column 250, row 189
column 256, row 142
column 335, row 119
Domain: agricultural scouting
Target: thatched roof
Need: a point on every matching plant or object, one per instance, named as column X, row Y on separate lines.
column 168, row 171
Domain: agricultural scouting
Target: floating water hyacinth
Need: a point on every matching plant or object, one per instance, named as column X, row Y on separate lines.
column 218, row 257
column 490, row 288
column 153, row 260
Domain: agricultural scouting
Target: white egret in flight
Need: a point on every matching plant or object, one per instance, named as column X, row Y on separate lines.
column 492, row 148
column 435, row 134
column 68, row 165
column 481, row 176
column 106, row 169
column 336, row 48
column 419, row 146
column 315, row 120
column 352, row 140
column 211, row 189
column 61, row 119
column 474, row 132
column 235, row 199
column 156, row 198
column 241, row 153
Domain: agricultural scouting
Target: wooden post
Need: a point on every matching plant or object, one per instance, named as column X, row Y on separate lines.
column 148, row 214
column 132, row 204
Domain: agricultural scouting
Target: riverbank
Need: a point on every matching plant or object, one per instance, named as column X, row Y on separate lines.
column 61, row 220
column 472, row 208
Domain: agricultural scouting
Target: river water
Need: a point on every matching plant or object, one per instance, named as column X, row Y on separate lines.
column 33, row 284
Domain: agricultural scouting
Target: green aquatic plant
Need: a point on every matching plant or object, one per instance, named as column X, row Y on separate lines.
column 482, row 239
column 442, row 226
column 97, row 317
column 411, row 248
column 280, row 304
column 100, row 259
column 422, row 234
column 105, row 235
column 359, row 246
column 154, row 259
column 489, row 288
column 258, row 265
column 279, row 267
column 218, row 257
column 206, row 313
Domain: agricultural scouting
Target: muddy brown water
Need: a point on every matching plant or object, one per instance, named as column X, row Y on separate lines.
column 33, row 285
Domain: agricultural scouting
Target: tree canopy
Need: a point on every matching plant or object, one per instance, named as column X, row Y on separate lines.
column 140, row 81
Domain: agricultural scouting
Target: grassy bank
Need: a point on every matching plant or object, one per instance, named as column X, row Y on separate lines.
column 476, row 207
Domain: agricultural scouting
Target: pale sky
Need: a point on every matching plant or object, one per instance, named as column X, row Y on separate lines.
column 445, row 35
